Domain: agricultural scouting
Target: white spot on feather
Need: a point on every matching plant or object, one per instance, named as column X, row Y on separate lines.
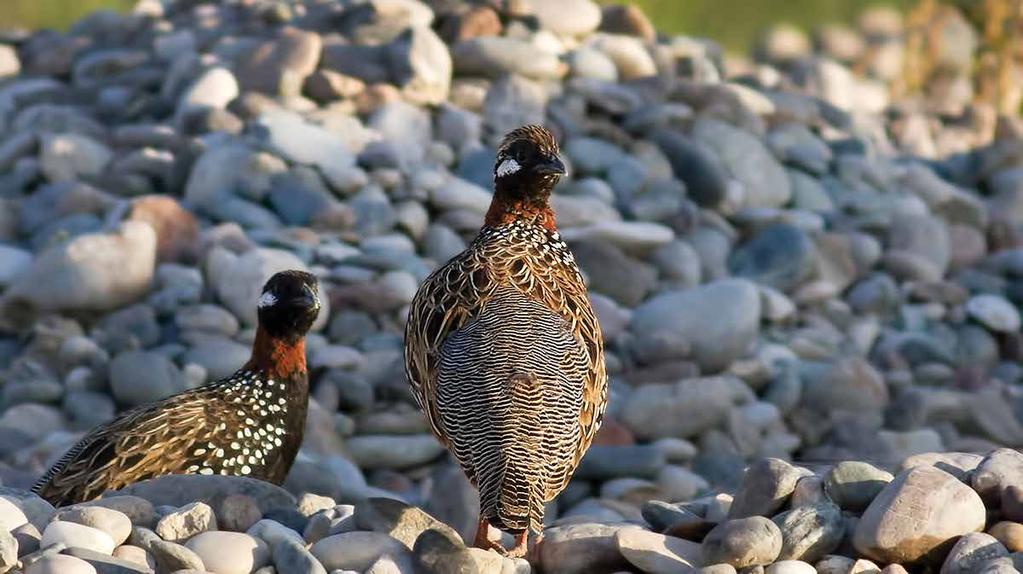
column 508, row 167
column 267, row 299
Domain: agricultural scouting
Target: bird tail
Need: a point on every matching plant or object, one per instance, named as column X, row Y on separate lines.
column 520, row 502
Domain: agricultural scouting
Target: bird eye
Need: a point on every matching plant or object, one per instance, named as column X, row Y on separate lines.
column 267, row 299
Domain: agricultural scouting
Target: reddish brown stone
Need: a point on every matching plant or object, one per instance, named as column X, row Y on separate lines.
column 613, row 433
column 177, row 231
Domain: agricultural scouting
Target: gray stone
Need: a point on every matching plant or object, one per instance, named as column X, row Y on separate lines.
column 291, row 556
column 280, row 66
column 356, row 550
column 494, row 56
column 853, row 485
column 998, row 471
column 181, row 489
column 302, row 142
column 105, row 564
column 607, row 462
column 705, row 175
column 60, row 564
column 754, row 541
column 971, row 552
column 780, row 256
column 142, row 377
column 766, row 487
column 395, row 518
column 580, row 548
column 715, row 324
column 171, row 557
column 69, row 157
column 394, row 452
column 810, row 532
column 652, row 552
column 994, row 312
column 684, row 409
column 747, row 160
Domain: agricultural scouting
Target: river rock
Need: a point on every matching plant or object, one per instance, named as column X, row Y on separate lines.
column 918, row 515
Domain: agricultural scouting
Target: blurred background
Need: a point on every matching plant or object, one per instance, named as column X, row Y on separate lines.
column 734, row 23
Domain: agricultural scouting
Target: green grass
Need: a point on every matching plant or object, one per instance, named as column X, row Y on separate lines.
column 733, row 23
column 737, row 23
column 58, row 14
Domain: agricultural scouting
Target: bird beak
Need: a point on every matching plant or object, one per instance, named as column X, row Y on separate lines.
column 552, row 166
column 309, row 298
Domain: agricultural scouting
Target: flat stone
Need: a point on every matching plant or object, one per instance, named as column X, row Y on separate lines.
column 115, row 524
column 105, row 564
column 994, row 312
column 790, row 567
column 393, row 452
column 401, row 521
column 581, row 548
column 918, row 515
column 356, row 550
column 714, row 323
column 60, row 564
column 497, row 55
column 74, row 535
column 652, row 552
column 684, row 409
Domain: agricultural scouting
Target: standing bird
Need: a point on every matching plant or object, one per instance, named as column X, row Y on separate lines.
column 249, row 424
column 503, row 350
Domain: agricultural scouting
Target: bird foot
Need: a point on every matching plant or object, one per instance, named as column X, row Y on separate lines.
column 483, row 540
column 521, row 548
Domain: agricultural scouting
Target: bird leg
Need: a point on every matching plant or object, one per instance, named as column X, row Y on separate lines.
column 482, row 538
column 521, row 547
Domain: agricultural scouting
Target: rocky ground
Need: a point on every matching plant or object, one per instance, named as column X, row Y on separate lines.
column 788, row 262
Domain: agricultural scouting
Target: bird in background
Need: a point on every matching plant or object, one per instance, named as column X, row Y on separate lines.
column 503, row 351
column 249, row 424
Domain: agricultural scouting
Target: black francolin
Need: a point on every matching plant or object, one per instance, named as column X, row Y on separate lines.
column 249, row 424
column 503, row 350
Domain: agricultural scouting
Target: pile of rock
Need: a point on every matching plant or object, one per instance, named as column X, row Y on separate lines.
column 230, row 525
column 785, row 261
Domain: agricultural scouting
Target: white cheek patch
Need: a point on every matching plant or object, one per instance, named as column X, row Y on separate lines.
column 267, row 300
column 508, row 167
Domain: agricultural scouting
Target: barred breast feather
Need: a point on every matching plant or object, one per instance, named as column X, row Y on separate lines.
column 505, row 357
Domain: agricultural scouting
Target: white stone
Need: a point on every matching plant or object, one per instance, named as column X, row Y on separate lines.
column 229, row 552
column 77, row 536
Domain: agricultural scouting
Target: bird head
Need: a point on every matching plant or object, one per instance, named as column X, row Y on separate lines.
column 528, row 165
column 289, row 305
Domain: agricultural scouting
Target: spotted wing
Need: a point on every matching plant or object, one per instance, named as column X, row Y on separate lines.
column 192, row 432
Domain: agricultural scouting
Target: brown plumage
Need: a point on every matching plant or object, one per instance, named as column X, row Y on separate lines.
column 249, row 424
column 503, row 351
